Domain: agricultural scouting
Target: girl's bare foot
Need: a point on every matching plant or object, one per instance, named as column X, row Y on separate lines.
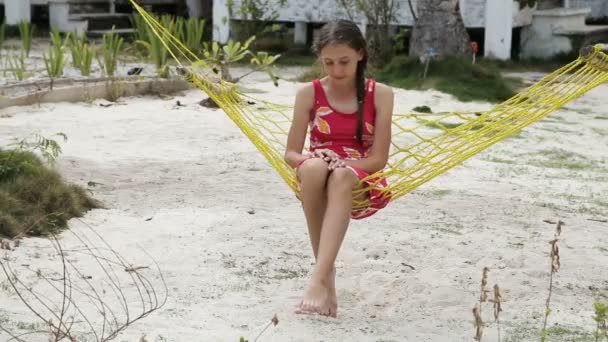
column 333, row 298
column 317, row 300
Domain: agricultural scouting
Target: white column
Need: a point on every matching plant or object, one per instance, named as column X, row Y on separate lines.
column 195, row 8
column 363, row 26
column 112, row 6
column 17, row 11
column 59, row 10
column 300, row 32
column 221, row 21
column 498, row 29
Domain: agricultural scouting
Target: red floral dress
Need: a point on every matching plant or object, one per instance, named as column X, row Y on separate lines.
column 331, row 129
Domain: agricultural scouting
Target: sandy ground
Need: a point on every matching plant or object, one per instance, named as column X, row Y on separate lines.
column 183, row 184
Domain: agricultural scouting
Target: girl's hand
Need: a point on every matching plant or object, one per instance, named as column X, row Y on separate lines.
column 336, row 163
column 326, row 154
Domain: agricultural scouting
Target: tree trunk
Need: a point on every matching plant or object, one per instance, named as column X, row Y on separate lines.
column 439, row 27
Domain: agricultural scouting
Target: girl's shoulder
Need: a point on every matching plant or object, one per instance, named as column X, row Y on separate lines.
column 305, row 90
column 383, row 90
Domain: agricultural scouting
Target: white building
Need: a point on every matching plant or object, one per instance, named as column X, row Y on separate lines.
column 542, row 33
column 539, row 33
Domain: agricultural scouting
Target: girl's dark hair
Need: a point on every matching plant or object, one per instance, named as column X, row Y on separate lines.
column 348, row 33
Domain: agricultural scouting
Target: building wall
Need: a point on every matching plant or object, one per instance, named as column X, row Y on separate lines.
column 318, row 11
column 599, row 8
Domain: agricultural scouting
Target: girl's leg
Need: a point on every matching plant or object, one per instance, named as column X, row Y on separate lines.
column 313, row 179
column 340, row 184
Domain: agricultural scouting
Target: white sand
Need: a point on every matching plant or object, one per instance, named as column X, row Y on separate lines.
column 228, row 272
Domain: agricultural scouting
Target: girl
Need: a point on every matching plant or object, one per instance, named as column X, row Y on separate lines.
column 350, row 130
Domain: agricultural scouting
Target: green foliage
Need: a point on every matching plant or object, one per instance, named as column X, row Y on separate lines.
column 82, row 54
column 16, row 66
column 33, row 198
column 111, row 47
column 452, row 75
column 315, row 72
column 190, row 32
column 26, row 32
column 379, row 14
column 256, row 15
column 194, row 33
column 264, row 61
column 55, row 62
column 76, row 44
column 157, row 50
column 48, row 148
column 399, row 41
column 529, row 3
column 153, row 45
column 601, row 320
column 2, row 32
column 140, row 28
column 220, row 58
column 422, row 109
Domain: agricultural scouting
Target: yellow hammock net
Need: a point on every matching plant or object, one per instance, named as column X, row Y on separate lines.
column 419, row 151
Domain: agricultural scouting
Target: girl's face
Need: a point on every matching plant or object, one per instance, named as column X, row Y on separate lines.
column 340, row 61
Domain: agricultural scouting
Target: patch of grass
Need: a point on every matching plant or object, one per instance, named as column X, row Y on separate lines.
column 601, row 117
column 456, row 76
column 554, row 334
column 437, row 124
column 517, row 136
column 561, row 159
column 601, row 203
column 600, row 131
column 315, row 72
column 601, row 248
column 534, row 64
column 296, row 59
column 36, row 197
column 499, row 160
column 440, row 192
column 447, row 230
column 422, row 109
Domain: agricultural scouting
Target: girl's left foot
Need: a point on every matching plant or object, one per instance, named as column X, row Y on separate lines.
column 317, row 300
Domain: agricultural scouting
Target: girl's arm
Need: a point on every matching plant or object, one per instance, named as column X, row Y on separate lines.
column 378, row 155
column 299, row 126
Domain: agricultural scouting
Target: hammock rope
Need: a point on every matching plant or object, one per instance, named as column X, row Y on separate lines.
column 423, row 146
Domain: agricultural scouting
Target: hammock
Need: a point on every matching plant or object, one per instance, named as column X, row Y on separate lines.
column 420, row 151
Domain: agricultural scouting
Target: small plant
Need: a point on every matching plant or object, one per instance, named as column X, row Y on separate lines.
column 2, row 32
column 48, row 148
column 274, row 321
column 379, row 15
column 256, row 15
column 55, row 61
column 422, row 109
column 155, row 48
column 601, row 320
column 220, row 58
column 82, row 54
column 17, row 66
column 195, row 29
column 26, row 32
column 76, row 43
column 497, row 306
column 483, row 297
column 111, row 45
column 496, row 301
column 555, row 264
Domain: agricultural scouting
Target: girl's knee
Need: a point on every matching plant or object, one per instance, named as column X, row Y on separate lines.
column 342, row 178
column 314, row 167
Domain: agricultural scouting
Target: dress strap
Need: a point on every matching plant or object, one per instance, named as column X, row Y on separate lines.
column 320, row 98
